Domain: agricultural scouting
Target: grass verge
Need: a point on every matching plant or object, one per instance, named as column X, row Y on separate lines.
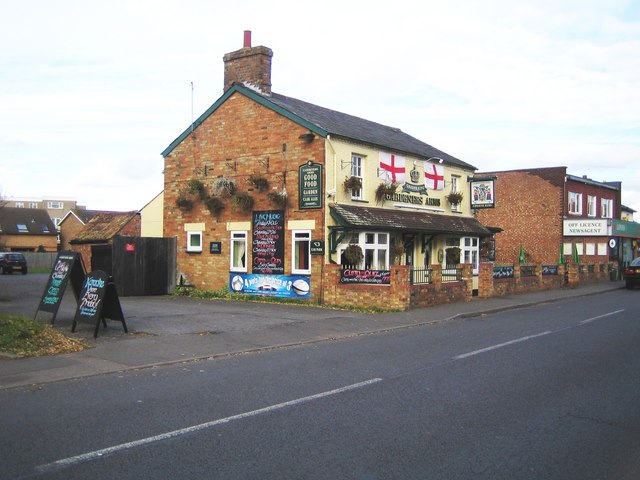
column 24, row 337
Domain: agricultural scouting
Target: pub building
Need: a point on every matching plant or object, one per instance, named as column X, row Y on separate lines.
column 270, row 195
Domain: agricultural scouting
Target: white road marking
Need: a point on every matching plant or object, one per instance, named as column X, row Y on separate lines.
column 518, row 340
column 85, row 457
column 500, row 345
column 600, row 316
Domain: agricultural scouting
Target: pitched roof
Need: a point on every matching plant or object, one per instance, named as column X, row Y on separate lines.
column 25, row 221
column 103, row 227
column 385, row 219
column 324, row 122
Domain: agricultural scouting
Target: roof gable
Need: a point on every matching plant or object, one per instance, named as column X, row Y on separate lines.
column 325, row 122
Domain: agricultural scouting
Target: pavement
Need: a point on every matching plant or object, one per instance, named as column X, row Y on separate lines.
column 165, row 330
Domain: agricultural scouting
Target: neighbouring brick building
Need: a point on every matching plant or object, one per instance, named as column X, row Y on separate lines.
column 270, row 195
column 547, row 214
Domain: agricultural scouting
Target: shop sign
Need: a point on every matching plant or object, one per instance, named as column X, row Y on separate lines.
column 310, row 185
column 626, row 229
column 282, row 286
column 586, row 228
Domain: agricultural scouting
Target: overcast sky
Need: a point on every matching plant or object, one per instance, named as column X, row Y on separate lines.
column 92, row 91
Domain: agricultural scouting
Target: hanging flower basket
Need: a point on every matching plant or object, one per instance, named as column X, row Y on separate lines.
column 353, row 254
column 385, row 189
column 278, row 199
column 352, row 183
column 215, row 205
column 196, row 187
column 454, row 198
column 183, row 202
column 259, row 183
column 223, row 187
column 243, row 202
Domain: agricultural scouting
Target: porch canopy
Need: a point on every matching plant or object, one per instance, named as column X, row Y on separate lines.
column 382, row 219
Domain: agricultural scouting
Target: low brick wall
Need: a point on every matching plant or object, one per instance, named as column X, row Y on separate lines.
column 401, row 295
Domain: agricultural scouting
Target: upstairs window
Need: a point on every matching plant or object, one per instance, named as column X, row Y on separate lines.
column 55, row 205
column 33, row 205
column 357, row 170
column 606, row 208
column 44, row 228
column 591, row 206
column 19, row 204
column 575, row 203
column 22, row 228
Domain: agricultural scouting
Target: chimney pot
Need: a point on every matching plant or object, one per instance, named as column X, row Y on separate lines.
column 247, row 39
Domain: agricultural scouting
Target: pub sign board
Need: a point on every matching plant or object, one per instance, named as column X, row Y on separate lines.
column 310, row 185
column 67, row 267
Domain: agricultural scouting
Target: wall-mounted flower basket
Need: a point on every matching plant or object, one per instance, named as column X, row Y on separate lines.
column 454, row 198
column 259, row 183
column 278, row 199
column 184, row 203
column 243, row 202
column 196, row 187
column 353, row 254
column 223, row 187
column 352, row 183
column 215, row 205
column 385, row 189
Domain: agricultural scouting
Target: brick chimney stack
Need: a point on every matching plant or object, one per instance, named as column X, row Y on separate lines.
column 249, row 65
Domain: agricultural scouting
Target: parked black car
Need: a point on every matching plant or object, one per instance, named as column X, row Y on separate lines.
column 13, row 261
column 632, row 273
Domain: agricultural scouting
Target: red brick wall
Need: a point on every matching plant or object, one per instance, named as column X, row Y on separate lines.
column 529, row 209
column 241, row 138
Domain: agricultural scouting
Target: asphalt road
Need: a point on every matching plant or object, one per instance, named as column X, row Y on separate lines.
column 548, row 392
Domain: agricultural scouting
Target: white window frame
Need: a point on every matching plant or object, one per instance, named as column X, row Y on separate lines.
column 470, row 252
column 575, row 203
column 238, row 238
column 298, row 237
column 454, row 188
column 194, row 247
column 357, row 169
column 606, row 208
column 591, row 206
column 33, row 205
column 377, row 243
column 55, row 205
column 19, row 204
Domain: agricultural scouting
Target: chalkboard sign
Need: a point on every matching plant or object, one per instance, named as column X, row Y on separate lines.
column 68, row 266
column 268, row 242
column 98, row 300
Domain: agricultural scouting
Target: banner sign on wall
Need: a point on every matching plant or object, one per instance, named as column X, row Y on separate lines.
column 268, row 242
column 375, row 277
column 270, row 285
